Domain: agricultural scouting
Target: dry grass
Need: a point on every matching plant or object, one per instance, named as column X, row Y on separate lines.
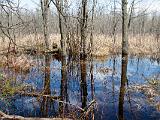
column 20, row 63
column 145, row 45
column 103, row 45
column 30, row 41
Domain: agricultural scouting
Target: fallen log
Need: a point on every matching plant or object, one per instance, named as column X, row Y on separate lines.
column 4, row 116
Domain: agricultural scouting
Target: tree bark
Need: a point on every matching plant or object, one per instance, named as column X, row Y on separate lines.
column 124, row 28
column 62, row 20
column 83, row 28
column 45, row 10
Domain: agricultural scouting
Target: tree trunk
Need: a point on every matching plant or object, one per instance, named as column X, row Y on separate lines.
column 60, row 9
column 124, row 28
column 83, row 28
column 45, row 10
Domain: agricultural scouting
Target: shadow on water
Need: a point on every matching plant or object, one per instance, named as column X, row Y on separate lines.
column 69, row 88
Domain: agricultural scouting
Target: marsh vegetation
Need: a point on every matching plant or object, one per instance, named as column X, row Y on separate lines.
column 80, row 60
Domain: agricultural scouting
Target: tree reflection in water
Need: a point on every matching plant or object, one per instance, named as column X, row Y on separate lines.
column 122, row 87
column 47, row 91
column 63, row 90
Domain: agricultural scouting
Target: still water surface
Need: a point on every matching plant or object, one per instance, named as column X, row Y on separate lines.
column 102, row 83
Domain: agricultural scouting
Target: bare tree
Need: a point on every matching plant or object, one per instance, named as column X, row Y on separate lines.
column 114, row 23
column 83, row 24
column 124, row 28
column 11, row 23
column 59, row 4
column 131, row 13
column 45, row 10
column 124, row 57
column 92, row 26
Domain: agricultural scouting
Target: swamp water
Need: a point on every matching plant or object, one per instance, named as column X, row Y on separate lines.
column 135, row 97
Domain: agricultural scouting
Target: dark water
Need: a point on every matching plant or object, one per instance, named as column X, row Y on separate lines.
column 99, row 80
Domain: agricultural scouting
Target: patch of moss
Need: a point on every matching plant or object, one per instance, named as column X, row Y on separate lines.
column 9, row 89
